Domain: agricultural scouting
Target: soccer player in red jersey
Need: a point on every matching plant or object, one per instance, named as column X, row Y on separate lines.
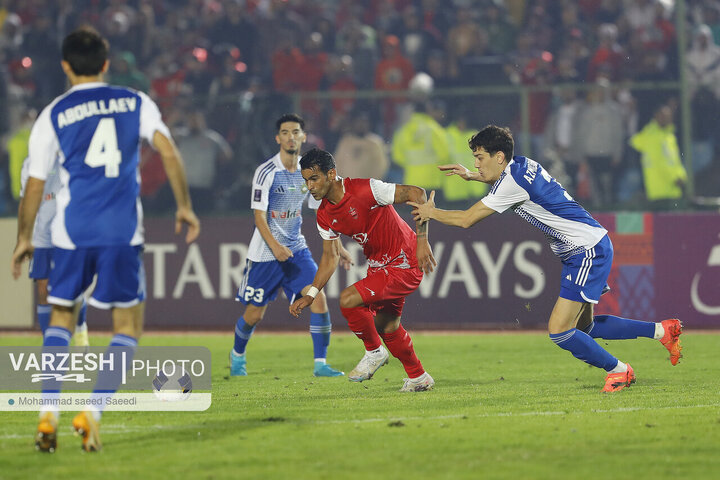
column 397, row 257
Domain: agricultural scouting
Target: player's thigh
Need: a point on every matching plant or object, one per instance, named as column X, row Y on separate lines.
column 120, row 277
column 71, row 275
column 298, row 273
column 41, row 288
column 260, row 284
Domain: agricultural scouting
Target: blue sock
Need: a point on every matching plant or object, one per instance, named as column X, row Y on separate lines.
column 243, row 332
column 56, row 339
column 82, row 314
column 320, row 328
column 584, row 348
column 109, row 380
column 610, row 327
column 43, row 316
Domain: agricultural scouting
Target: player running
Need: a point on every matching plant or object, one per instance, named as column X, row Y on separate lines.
column 397, row 257
column 278, row 256
column 524, row 186
column 40, row 263
column 94, row 130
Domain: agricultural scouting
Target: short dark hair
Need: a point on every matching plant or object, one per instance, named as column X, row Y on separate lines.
column 494, row 139
column 315, row 157
column 290, row 117
column 86, row 51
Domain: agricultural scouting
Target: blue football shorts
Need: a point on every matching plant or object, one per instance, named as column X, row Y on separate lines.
column 41, row 263
column 262, row 280
column 120, row 276
column 584, row 276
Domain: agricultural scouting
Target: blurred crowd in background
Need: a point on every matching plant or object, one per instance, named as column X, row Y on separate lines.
column 392, row 88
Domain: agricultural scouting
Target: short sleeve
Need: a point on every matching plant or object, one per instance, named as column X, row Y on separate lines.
column 327, row 233
column 151, row 119
column 262, row 181
column 43, row 146
column 505, row 193
column 383, row 192
column 24, row 176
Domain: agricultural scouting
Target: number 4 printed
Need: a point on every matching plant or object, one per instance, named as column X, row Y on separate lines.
column 103, row 150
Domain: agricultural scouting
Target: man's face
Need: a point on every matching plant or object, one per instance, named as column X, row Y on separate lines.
column 290, row 137
column 489, row 166
column 318, row 183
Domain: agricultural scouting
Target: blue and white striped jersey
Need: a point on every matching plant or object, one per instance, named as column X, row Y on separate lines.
column 529, row 190
column 41, row 232
column 281, row 194
column 93, row 132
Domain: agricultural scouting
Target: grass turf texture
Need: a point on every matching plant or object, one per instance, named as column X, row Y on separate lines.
column 504, row 406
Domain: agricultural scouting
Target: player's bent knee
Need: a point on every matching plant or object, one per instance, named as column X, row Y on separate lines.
column 350, row 298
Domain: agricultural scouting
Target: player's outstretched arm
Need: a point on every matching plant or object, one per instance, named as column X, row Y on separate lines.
column 27, row 211
column 328, row 264
column 455, row 218
column 172, row 162
column 411, row 194
column 459, row 170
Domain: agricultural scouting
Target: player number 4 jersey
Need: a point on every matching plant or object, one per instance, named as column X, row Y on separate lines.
column 528, row 189
column 367, row 215
column 94, row 131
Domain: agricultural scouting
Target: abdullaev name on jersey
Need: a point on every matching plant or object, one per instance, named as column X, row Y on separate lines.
column 96, row 107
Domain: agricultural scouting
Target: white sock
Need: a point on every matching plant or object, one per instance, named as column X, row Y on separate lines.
column 236, row 354
column 620, row 367
column 320, row 360
column 376, row 351
column 659, row 331
column 420, row 378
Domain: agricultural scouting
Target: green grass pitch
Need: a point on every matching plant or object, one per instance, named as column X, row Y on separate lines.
column 505, row 406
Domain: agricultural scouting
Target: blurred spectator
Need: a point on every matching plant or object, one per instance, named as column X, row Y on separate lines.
column 124, row 72
column 361, row 153
column 359, row 41
column 560, row 138
column 17, row 147
column 338, row 78
column 703, row 77
column 419, row 146
column 393, row 73
column 204, row 151
column 458, row 133
column 462, row 38
column 499, row 27
column 600, row 137
column 609, row 58
column 663, row 172
column 235, row 28
column 416, row 39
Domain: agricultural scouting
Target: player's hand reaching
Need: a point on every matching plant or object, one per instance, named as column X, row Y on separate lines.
column 23, row 251
column 188, row 217
column 421, row 211
column 456, row 169
column 299, row 304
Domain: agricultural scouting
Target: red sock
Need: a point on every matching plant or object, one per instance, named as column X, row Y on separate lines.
column 362, row 324
column 400, row 345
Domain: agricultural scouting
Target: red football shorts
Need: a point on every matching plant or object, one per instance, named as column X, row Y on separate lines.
column 384, row 289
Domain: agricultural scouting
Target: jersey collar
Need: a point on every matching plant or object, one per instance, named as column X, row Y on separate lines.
column 279, row 164
column 86, row 86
